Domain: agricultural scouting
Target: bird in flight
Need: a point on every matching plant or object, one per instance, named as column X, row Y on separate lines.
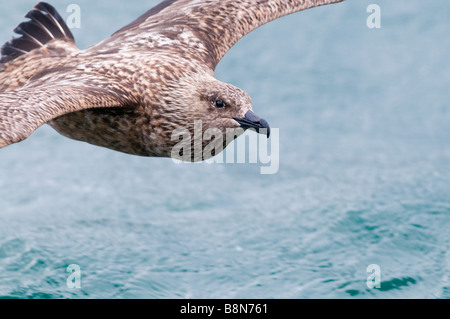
column 131, row 91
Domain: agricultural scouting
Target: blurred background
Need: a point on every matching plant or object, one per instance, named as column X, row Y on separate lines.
column 364, row 173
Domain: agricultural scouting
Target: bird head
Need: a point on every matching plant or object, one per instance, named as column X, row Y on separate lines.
column 213, row 115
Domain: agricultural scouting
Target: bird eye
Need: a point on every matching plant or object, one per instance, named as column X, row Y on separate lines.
column 219, row 104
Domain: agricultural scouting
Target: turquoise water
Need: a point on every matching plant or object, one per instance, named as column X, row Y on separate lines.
column 364, row 175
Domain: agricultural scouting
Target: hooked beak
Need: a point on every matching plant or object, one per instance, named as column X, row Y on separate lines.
column 251, row 120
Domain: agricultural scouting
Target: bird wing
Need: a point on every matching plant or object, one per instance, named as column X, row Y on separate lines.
column 39, row 82
column 44, row 41
column 45, row 25
column 216, row 24
column 56, row 93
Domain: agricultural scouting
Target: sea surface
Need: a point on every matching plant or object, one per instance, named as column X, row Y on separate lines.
column 359, row 206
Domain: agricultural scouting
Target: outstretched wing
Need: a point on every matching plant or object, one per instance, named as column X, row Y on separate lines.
column 40, row 82
column 216, row 24
column 23, row 110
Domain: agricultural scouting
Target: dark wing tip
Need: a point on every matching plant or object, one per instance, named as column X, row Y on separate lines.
column 45, row 24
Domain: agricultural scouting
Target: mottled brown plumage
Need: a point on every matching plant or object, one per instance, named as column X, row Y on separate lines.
column 132, row 90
